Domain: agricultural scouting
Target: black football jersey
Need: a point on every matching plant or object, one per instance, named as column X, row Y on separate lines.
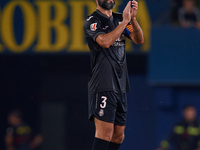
column 108, row 65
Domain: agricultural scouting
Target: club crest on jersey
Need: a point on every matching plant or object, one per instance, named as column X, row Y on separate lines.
column 101, row 112
column 93, row 26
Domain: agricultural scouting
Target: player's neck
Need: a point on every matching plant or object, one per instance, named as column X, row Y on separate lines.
column 105, row 12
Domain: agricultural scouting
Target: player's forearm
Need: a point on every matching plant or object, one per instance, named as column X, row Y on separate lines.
column 108, row 39
column 137, row 34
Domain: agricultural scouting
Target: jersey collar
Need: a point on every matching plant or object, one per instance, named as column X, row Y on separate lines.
column 103, row 15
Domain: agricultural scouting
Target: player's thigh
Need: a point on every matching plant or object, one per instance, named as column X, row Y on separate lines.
column 118, row 134
column 104, row 130
column 118, row 130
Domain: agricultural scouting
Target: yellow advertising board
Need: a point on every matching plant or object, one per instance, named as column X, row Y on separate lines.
column 54, row 26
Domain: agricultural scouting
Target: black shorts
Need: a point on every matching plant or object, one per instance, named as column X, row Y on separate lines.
column 109, row 107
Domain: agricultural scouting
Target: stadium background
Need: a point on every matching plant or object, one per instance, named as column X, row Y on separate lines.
column 44, row 68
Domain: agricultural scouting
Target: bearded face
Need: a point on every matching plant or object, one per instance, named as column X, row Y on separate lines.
column 106, row 4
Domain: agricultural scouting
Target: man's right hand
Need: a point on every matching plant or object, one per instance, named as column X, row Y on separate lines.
column 127, row 13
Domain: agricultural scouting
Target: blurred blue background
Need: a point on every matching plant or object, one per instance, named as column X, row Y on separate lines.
column 45, row 64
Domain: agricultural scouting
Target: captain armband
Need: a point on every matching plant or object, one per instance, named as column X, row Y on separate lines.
column 129, row 29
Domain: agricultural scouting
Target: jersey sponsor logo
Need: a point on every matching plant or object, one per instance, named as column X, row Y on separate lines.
column 93, row 26
column 105, row 27
column 121, row 38
column 120, row 41
column 117, row 43
column 89, row 18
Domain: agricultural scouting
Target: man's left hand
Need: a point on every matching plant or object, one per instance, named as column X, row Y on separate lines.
column 134, row 9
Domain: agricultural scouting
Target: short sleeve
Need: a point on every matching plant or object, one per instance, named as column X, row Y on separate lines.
column 92, row 27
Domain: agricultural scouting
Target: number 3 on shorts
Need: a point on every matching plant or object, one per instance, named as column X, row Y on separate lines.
column 104, row 102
